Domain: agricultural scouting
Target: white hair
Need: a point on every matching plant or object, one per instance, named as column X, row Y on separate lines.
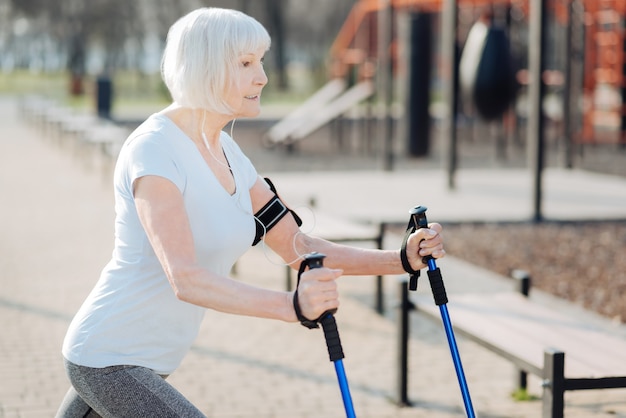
column 202, row 52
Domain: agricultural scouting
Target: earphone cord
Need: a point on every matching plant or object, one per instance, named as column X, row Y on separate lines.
column 266, row 253
column 208, row 147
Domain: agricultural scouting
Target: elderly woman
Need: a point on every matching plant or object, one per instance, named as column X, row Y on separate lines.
column 188, row 203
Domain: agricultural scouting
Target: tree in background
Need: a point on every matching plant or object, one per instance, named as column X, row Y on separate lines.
column 78, row 25
column 118, row 30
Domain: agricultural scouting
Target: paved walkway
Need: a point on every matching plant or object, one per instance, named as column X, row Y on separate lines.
column 56, row 221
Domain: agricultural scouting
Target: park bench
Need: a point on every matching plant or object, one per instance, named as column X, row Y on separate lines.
column 87, row 130
column 566, row 353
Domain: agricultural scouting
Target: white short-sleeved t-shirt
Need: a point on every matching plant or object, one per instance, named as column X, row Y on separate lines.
column 132, row 316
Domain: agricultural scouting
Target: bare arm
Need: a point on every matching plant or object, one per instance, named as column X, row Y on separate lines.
column 162, row 213
column 287, row 241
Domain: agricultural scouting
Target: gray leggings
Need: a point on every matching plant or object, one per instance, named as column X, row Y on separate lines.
column 122, row 391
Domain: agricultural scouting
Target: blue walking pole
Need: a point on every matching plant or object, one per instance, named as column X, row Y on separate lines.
column 418, row 220
column 331, row 334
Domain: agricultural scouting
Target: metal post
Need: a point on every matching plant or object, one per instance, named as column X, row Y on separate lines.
column 385, row 80
column 380, row 293
column 522, row 284
column 567, row 84
column 523, row 281
column 553, row 383
column 448, row 71
column 404, row 309
column 536, row 90
column 418, row 87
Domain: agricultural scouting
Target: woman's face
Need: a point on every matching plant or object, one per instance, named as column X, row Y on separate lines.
column 244, row 93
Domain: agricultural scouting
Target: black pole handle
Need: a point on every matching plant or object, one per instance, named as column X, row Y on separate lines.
column 419, row 220
column 327, row 319
column 418, row 216
column 313, row 261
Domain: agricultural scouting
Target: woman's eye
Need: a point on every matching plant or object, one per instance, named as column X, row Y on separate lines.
column 246, row 63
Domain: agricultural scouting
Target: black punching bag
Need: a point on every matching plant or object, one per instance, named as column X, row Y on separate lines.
column 418, row 100
column 486, row 72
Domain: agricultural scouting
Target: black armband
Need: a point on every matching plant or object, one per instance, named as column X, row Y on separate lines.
column 269, row 215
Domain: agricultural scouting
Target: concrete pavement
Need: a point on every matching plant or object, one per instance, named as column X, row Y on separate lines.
column 56, row 233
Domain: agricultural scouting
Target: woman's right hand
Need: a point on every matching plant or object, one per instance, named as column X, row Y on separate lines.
column 317, row 291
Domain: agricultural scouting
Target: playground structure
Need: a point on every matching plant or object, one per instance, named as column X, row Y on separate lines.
column 593, row 45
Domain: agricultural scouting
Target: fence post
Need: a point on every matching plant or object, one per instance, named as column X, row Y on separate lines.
column 522, row 278
column 380, row 297
column 553, row 383
column 522, row 285
column 404, row 308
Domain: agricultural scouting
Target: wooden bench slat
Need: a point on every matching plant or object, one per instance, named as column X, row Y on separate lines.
column 585, row 345
column 521, row 329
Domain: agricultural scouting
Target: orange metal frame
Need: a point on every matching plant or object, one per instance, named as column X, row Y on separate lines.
column 604, row 42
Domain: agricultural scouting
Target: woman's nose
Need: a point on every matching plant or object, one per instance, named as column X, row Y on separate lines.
column 261, row 77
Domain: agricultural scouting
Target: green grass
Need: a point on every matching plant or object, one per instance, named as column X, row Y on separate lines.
column 130, row 88
column 522, row 395
column 25, row 82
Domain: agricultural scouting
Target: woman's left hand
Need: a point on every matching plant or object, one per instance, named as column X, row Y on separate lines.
column 424, row 242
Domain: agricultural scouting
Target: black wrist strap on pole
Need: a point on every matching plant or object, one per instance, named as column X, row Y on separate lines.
column 310, row 324
column 413, row 274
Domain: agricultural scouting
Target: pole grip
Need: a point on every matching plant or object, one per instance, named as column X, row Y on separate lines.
column 331, row 334
column 329, row 325
column 437, row 287
column 419, row 219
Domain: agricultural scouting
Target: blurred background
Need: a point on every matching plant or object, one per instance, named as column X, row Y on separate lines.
column 357, row 85
column 61, row 48
column 104, row 55
column 357, row 89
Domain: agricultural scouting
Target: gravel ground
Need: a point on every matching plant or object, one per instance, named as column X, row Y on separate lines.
column 582, row 262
